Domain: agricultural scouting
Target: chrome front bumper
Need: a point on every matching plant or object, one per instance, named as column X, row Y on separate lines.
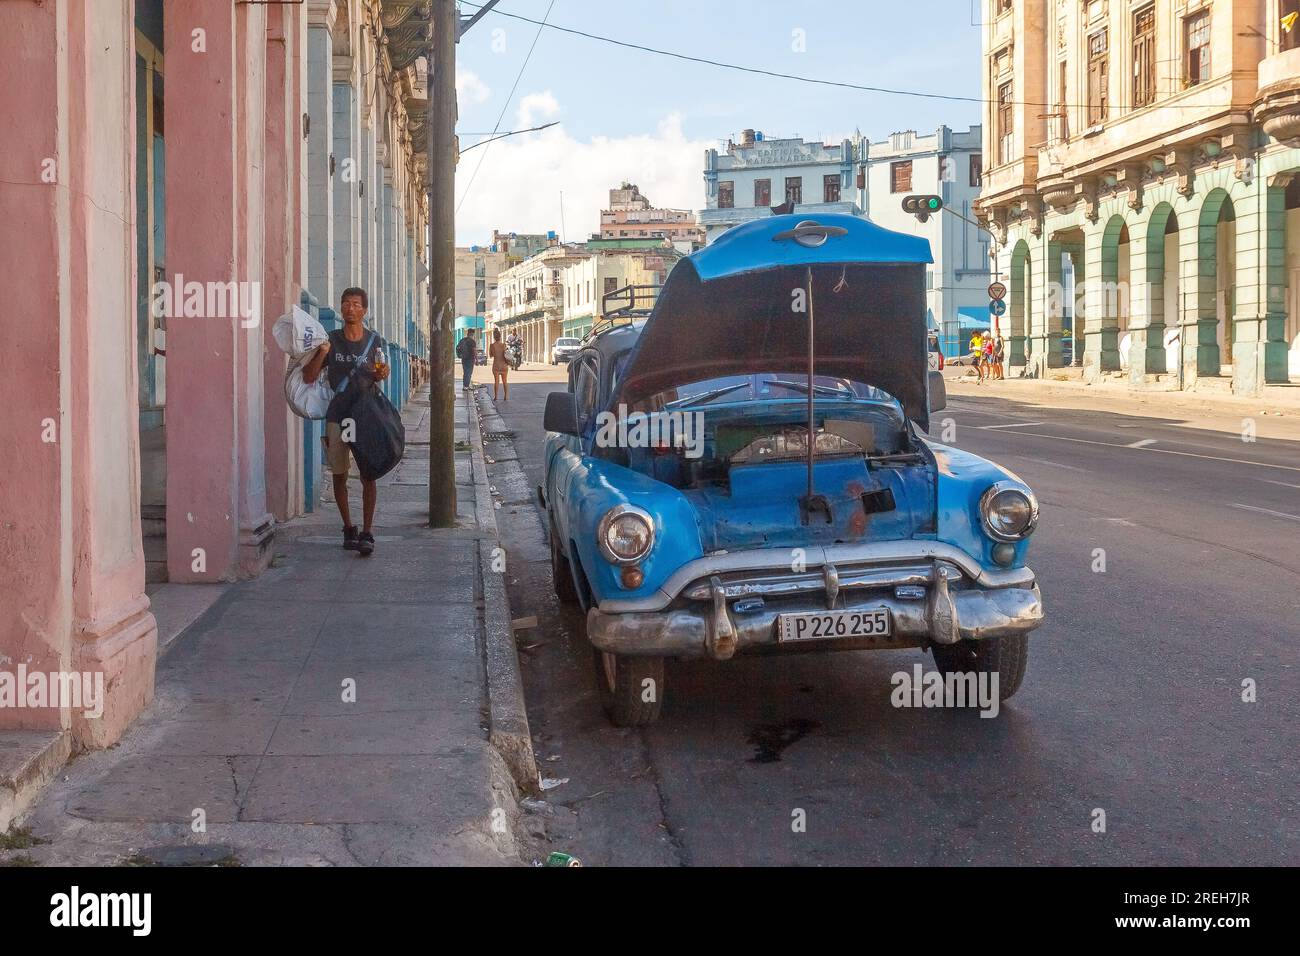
column 713, row 627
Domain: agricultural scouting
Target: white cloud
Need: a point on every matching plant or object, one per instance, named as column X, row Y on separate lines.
column 518, row 187
column 537, row 106
column 471, row 89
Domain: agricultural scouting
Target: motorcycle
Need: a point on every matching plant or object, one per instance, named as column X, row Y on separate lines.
column 515, row 355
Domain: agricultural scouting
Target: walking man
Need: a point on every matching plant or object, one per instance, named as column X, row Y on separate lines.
column 353, row 357
column 466, row 349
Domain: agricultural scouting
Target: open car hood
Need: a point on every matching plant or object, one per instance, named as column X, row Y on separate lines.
column 729, row 309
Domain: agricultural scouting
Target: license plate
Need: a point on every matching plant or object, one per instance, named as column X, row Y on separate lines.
column 828, row 625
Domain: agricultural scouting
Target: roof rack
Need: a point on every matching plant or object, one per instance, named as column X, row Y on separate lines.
column 620, row 307
column 601, row 326
column 630, row 300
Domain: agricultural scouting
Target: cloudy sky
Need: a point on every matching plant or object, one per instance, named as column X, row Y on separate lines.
column 627, row 114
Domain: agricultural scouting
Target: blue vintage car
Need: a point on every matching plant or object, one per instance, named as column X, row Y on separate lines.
column 743, row 470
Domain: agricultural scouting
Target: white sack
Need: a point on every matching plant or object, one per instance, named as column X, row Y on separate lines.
column 298, row 333
column 307, row 400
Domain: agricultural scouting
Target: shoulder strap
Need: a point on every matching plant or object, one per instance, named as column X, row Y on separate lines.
column 353, row 370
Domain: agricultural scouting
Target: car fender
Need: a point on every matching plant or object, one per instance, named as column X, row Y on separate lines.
column 596, row 486
column 963, row 479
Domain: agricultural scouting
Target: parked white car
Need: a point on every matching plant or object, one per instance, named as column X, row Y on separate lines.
column 564, row 349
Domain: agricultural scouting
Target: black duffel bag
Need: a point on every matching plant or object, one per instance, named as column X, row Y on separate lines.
column 379, row 437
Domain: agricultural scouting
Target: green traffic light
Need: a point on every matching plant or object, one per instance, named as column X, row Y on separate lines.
column 933, row 203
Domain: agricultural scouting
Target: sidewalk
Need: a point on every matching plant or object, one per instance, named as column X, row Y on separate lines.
column 334, row 710
column 1272, row 417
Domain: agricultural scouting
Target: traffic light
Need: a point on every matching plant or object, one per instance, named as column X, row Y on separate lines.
column 922, row 207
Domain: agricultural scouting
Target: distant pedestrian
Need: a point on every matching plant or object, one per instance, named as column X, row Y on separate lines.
column 500, row 366
column 977, row 353
column 999, row 356
column 352, row 352
column 466, row 349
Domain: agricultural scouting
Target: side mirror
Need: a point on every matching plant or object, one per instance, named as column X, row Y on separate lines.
column 938, row 392
column 561, row 413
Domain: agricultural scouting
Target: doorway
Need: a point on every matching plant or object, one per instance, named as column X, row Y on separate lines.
column 151, row 245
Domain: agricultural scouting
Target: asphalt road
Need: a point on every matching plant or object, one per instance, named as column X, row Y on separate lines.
column 1132, row 704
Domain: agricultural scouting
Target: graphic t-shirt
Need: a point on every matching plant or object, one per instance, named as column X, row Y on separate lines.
column 344, row 355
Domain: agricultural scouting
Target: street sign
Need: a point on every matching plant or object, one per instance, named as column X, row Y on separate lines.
column 997, row 290
column 998, row 307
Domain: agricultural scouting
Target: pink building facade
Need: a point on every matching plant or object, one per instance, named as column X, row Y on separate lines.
column 631, row 216
column 175, row 177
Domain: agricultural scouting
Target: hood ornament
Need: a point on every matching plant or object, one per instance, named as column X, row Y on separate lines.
column 810, row 233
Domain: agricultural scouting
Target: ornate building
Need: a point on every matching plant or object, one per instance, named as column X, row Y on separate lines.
column 1142, row 183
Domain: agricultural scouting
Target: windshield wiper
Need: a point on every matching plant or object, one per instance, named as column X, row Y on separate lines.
column 705, row 396
column 803, row 387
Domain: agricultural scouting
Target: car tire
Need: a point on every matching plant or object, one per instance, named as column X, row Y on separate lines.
column 561, row 573
column 621, row 681
column 1006, row 656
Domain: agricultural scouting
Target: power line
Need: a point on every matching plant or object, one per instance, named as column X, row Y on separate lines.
column 506, row 105
column 953, row 97
column 513, row 132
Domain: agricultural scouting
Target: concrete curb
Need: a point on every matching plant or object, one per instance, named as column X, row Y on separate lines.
column 29, row 759
column 508, row 716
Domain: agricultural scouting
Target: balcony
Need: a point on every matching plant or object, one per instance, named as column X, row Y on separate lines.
column 1004, row 183
column 1057, row 192
column 1277, row 106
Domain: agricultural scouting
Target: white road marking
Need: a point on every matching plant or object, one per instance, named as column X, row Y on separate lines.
column 1266, row 511
column 1054, row 464
column 1141, row 444
column 1166, row 451
column 1284, row 484
column 1012, row 425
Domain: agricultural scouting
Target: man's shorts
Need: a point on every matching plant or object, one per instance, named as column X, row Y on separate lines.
column 337, row 454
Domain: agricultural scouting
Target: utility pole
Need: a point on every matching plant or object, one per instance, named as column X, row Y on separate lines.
column 443, row 30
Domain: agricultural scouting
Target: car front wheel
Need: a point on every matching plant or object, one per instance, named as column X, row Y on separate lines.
column 561, row 574
column 1005, row 656
column 631, row 688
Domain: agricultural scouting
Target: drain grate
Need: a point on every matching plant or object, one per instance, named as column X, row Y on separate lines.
column 498, row 436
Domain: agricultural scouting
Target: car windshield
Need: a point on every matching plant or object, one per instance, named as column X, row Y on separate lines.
column 566, row 341
column 768, row 386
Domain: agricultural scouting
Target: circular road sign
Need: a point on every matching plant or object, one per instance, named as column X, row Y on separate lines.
column 997, row 290
column 998, row 307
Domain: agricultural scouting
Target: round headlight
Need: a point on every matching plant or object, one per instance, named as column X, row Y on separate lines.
column 1010, row 511
column 625, row 535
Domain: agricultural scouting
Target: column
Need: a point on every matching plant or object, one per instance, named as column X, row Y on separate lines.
column 346, row 204
column 320, row 142
column 366, row 201
column 1197, row 251
column 73, row 565
column 1045, row 330
column 218, row 527
column 1146, row 301
column 1100, row 308
column 389, row 275
column 279, row 291
column 1259, row 348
